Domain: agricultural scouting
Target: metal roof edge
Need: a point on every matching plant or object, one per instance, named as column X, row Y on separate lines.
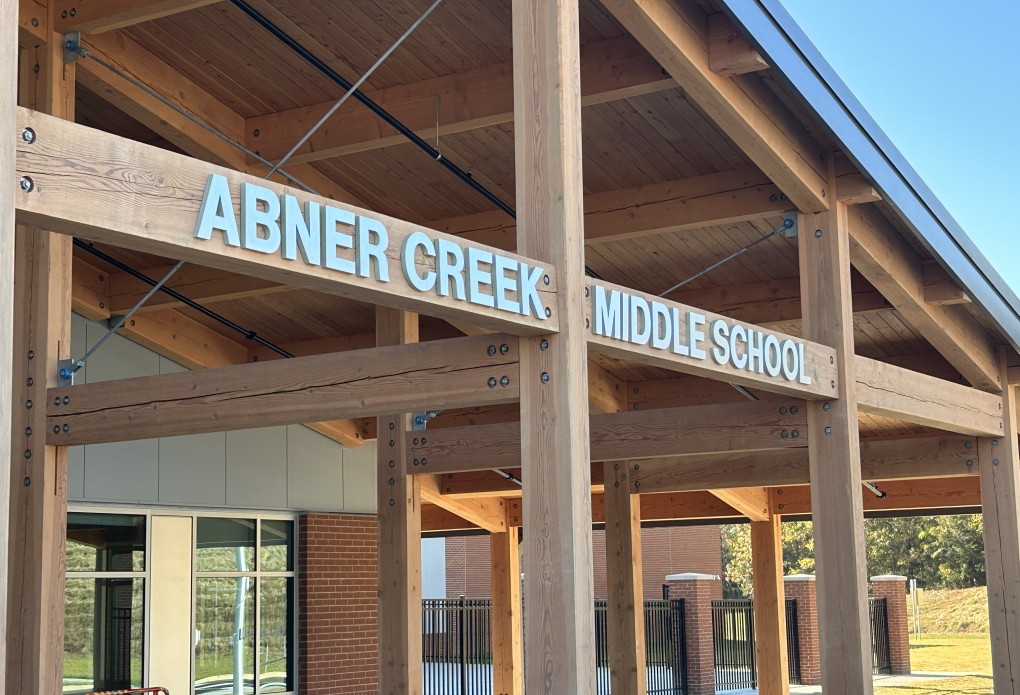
column 797, row 63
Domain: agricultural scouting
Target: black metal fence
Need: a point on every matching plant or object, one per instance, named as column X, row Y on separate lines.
column 733, row 640
column 457, row 647
column 879, row 635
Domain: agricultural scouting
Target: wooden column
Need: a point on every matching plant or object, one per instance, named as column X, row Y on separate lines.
column 626, row 615
column 559, row 618
column 834, row 453
column 1000, row 508
column 399, row 510
column 769, row 607
column 8, row 100
column 38, row 501
column 507, row 657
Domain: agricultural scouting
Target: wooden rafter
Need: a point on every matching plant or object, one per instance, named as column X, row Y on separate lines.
column 98, row 16
column 752, row 502
column 487, row 513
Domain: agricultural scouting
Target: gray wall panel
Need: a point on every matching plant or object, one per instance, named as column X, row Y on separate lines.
column 192, row 469
column 257, row 468
column 118, row 358
column 75, row 472
column 122, row 472
column 314, row 471
column 359, row 478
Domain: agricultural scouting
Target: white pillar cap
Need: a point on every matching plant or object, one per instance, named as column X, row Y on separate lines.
column 690, row 575
column 889, row 578
column 799, row 578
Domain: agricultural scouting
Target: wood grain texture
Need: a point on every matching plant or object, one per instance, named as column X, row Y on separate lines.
column 361, row 383
column 486, row 513
column 752, row 502
column 9, row 38
column 834, row 458
column 507, row 638
column 887, row 261
column 399, row 513
column 42, row 332
column 676, row 34
column 769, row 606
column 625, row 588
column 895, row 392
column 729, row 51
column 819, row 360
column 559, row 620
column 963, row 494
column 1000, row 506
column 149, row 201
column 97, row 16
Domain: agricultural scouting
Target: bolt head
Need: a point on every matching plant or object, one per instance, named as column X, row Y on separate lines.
column 26, row 184
column 544, row 344
column 548, row 312
column 505, row 381
column 828, row 430
column 545, row 280
column 28, row 135
column 492, row 382
column 492, row 350
column 545, row 377
column 504, row 349
column 818, row 233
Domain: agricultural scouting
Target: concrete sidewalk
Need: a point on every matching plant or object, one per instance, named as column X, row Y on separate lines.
column 880, row 681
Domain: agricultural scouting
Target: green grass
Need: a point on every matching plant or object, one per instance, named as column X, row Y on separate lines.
column 968, row 685
column 952, row 611
column 931, row 653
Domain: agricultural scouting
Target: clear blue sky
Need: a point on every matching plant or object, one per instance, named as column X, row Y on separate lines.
column 939, row 78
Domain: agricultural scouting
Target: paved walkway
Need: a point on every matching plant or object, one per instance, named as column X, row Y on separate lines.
column 880, row 681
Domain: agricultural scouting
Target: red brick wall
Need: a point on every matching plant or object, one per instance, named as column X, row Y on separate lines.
column 807, row 625
column 665, row 551
column 894, row 590
column 337, row 602
column 698, row 594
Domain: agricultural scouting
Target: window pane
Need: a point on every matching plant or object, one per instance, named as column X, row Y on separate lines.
column 274, row 651
column 224, row 635
column 103, row 633
column 105, row 542
column 277, row 544
column 226, row 545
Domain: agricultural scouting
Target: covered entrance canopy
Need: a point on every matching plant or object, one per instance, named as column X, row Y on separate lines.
column 526, row 332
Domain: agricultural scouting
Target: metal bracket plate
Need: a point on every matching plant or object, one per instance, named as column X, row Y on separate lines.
column 72, row 47
column 420, row 419
column 65, row 372
column 790, row 221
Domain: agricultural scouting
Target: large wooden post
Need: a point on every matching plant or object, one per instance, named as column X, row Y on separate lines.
column 769, row 607
column 507, row 657
column 1000, row 508
column 626, row 615
column 559, row 617
column 399, row 512
column 834, row 453
column 38, row 502
column 8, row 101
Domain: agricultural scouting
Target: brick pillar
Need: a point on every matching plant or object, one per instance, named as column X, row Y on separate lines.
column 338, row 576
column 893, row 588
column 802, row 588
column 697, row 591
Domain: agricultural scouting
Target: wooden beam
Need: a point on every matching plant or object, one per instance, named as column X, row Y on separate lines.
column 939, row 288
column 9, row 37
column 129, row 57
column 900, row 495
column 903, row 394
column 835, row 458
column 33, row 25
column 143, row 213
column 558, row 614
column 818, row 369
column 1000, row 506
column 752, row 502
column 488, row 514
column 879, row 252
column 729, row 51
column 769, row 605
column 42, row 331
column 363, row 383
column 630, row 213
column 625, row 594
column 617, row 68
column 201, row 284
column 693, row 430
column 399, row 510
column 97, row 16
column 507, row 642
column 677, row 36
column 606, row 393
column 90, row 290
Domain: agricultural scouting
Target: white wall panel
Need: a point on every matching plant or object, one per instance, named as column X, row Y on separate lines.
column 257, row 468
column 123, row 471
column 314, row 471
column 192, row 469
column 359, row 478
column 118, row 358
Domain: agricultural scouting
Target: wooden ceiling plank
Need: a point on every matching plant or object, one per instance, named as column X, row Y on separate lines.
column 97, row 16
column 676, row 34
column 886, row 260
column 613, row 69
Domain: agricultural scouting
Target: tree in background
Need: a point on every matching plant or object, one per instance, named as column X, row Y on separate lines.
column 940, row 552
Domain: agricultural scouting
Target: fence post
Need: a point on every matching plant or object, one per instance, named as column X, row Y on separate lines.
column 678, row 646
column 802, row 588
column 893, row 589
column 462, row 620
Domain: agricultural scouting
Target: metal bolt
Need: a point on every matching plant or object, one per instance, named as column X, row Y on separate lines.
column 773, row 198
column 637, row 483
column 29, row 381
column 392, row 442
column 785, row 434
column 35, row 22
column 392, row 425
column 26, row 184
column 544, row 344
column 28, row 481
column 548, row 312
column 505, row 381
column 28, row 453
column 818, row 233
column 393, row 481
column 968, row 444
column 828, row 430
column 832, row 383
column 995, row 442
column 546, row 280
column 795, row 434
column 256, row 132
column 587, row 323
column 492, row 350
column 36, row 68
column 31, row 354
column 424, row 462
column 416, row 439
column 67, row 399
column 74, row 11
column 424, row 441
column 995, row 462
column 637, row 466
column 504, row 349
column 28, row 431
column 616, row 466
column 56, row 401
column 969, row 463
column 67, row 428
column 28, row 404
column 782, row 410
column 393, row 502
column 545, row 377
column 28, row 135
column 826, row 407
column 56, row 429
column 492, row 382
column 63, row 15
column 587, row 291
column 794, row 410
column 832, row 360
column 392, row 464
column 616, row 484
